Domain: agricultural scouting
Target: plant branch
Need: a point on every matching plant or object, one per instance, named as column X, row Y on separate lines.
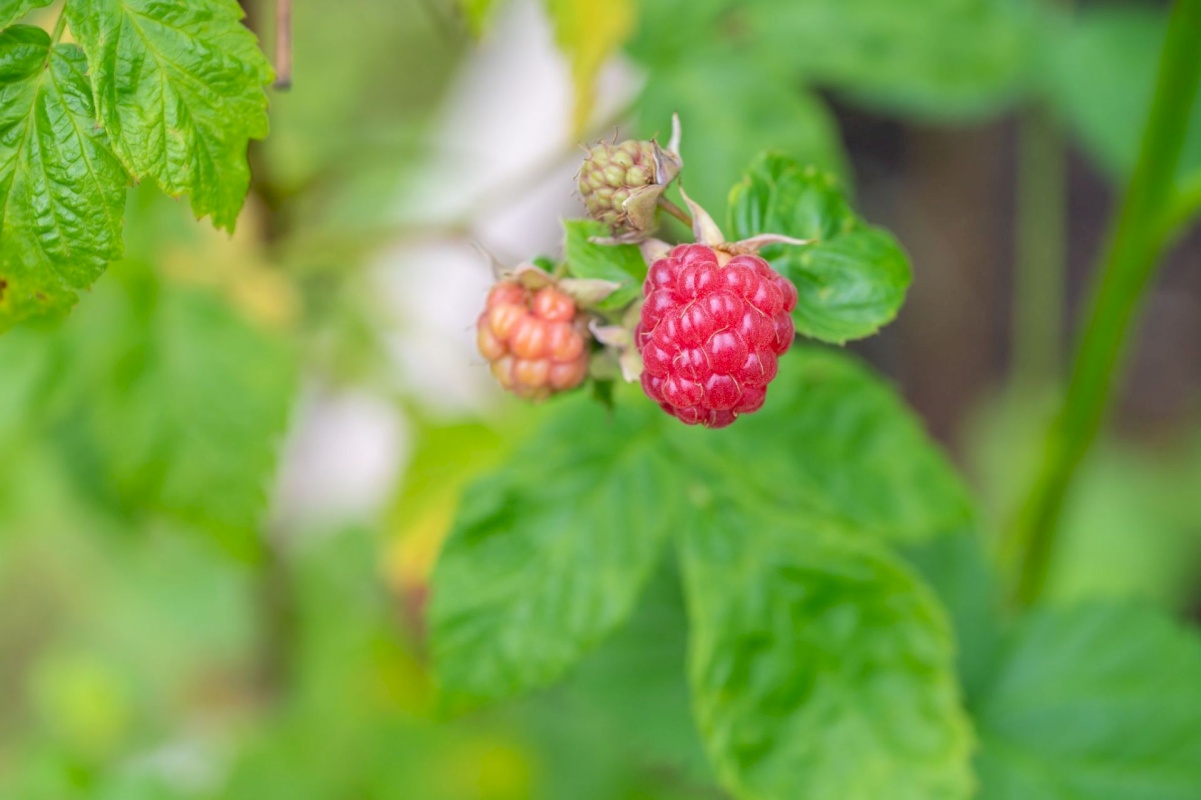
column 1127, row 269
column 283, row 44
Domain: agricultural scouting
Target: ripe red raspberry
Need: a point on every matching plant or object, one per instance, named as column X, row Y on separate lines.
column 533, row 339
column 710, row 333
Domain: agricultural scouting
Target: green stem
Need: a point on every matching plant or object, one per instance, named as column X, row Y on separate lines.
column 1041, row 250
column 1128, row 267
column 59, row 27
column 1186, row 205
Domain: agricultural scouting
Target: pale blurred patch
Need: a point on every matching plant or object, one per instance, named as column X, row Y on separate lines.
column 341, row 460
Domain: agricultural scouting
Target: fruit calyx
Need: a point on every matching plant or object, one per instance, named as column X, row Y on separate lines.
column 706, row 232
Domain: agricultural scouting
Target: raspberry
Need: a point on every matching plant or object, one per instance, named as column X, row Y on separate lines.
column 533, row 339
column 622, row 183
column 710, row 333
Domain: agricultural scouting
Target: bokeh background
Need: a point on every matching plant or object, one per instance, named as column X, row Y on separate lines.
column 224, row 477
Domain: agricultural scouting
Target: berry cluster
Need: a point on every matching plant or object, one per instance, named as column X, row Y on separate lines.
column 710, row 333
column 706, row 336
column 533, row 339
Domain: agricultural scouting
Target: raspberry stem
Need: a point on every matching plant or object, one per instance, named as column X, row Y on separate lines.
column 675, row 211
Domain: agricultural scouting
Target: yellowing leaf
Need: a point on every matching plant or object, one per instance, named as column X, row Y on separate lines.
column 411, row 555
column 589, row 31
column 448, row 457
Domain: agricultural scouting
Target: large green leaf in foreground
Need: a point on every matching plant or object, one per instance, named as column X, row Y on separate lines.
column 835, row 441
column 820, row 666
column 62, row 191
column 548, row 555
column 179, row 87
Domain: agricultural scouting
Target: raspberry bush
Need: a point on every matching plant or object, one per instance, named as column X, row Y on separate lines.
column 814, row 543
column 728, row 544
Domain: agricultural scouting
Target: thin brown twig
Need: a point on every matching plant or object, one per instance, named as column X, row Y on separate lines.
column 283, row 44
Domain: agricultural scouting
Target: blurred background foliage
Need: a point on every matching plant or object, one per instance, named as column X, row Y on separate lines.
column 223, row 478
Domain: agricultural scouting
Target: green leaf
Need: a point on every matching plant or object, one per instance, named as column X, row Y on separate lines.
column 589, row 33
column 957, row 568
column 852, row 280
column 670, row 31
column 731, row 114
column 621, row 264
column 834, row 441
column 1101, row 80
column 929, row 59
column 636, row 685
column 849, row 287
column 820, row 666
column 28, row 365
column 179, row 87
column 1098, row 702
column 62, row 191
column 177, row 404
column 548, row 555
column 12, row 10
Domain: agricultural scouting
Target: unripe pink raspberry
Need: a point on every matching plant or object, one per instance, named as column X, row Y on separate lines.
column 711, row 329
column 534, row 339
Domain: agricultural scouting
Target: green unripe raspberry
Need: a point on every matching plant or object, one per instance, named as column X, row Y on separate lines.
column 611, row 174
column 622, row 185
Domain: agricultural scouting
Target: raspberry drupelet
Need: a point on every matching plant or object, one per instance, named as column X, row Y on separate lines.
column 711, row 331
column 534, row 340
